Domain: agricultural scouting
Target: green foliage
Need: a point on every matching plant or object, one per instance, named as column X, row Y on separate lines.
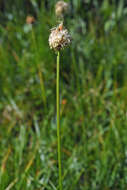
column 93, row 98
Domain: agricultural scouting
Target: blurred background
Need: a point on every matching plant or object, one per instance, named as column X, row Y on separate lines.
column 93, row 83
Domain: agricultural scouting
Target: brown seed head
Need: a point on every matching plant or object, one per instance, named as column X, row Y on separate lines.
column 30, row 19
column 59, row 38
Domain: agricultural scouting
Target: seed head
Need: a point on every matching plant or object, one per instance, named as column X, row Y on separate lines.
column 59, row 38
column 30, row 19
column 61, row 8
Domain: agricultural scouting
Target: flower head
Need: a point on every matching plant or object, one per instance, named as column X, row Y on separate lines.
column 61, row 8
column 59, row 38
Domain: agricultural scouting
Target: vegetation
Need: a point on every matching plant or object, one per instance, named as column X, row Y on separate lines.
column 93, row 97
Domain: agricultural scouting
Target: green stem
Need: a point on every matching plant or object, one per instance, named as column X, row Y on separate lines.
column 58, row 121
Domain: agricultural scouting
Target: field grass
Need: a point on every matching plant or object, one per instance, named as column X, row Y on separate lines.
column 93, row 85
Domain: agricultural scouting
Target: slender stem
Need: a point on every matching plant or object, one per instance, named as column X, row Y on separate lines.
column 58, row 121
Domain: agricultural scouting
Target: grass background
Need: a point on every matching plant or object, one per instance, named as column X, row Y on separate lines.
column 93, row 97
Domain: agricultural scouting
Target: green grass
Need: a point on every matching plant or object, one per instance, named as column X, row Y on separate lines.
column 93, row 105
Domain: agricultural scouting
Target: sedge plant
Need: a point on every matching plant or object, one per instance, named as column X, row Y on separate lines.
column 58, row 39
